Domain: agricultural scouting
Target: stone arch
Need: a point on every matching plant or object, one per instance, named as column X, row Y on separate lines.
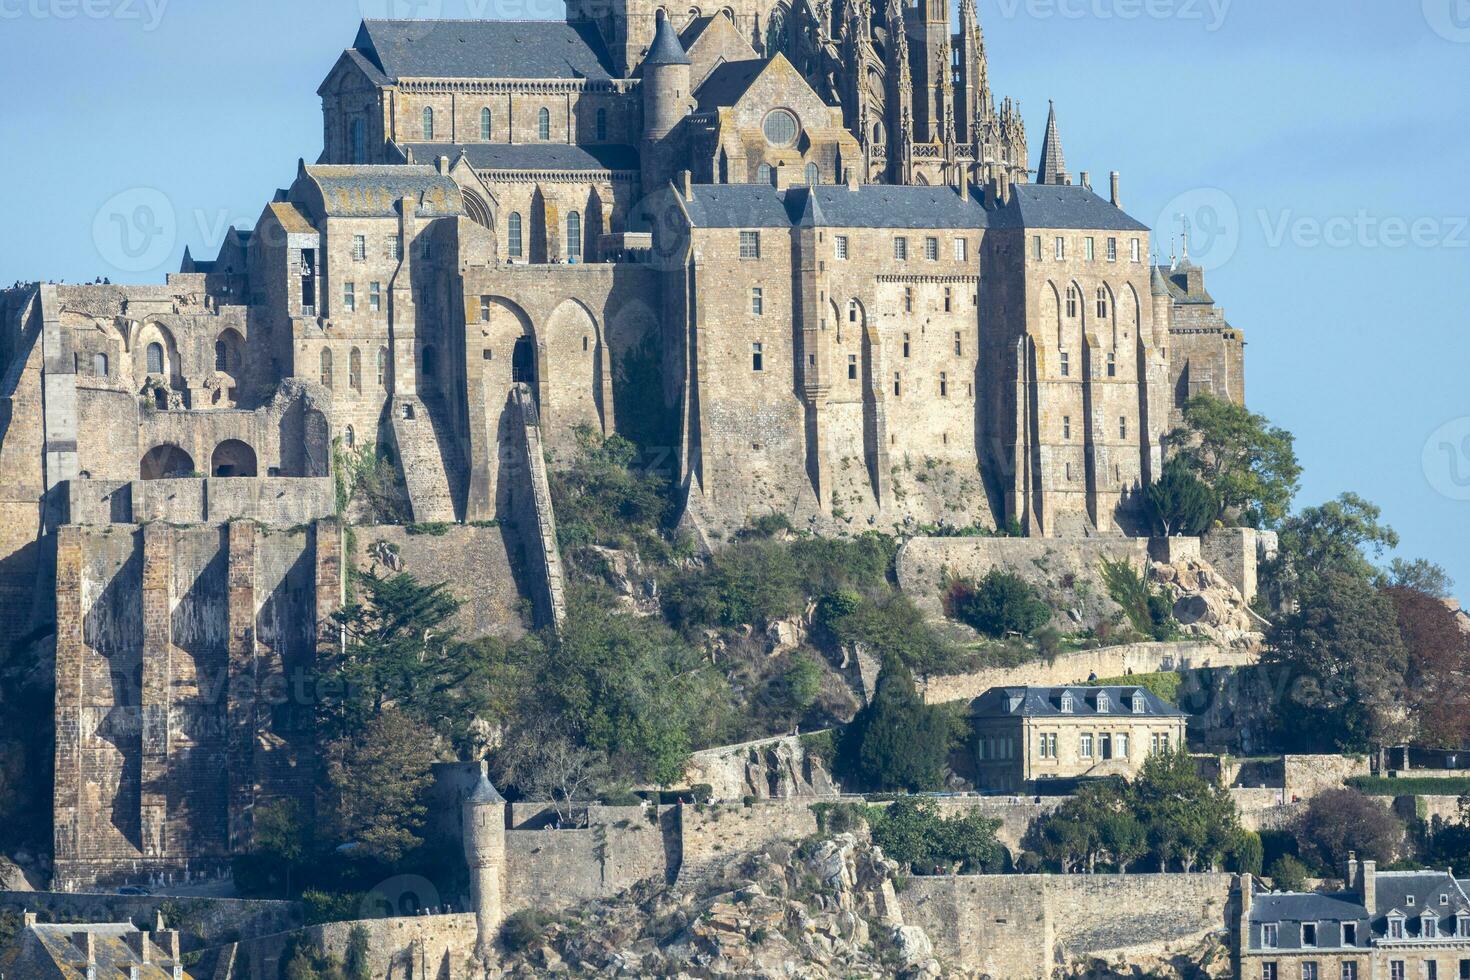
column 573, row 394
column 476, row 207
column 155, row 343
column 232, row 458
column 509, row 350
column 1074, row 328
column 165, row 462
column 1132, row 312
column 1104, row 296
column 1052, row 313
column 229, row 352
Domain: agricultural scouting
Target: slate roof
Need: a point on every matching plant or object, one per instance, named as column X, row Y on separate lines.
column 665, row 49
column 868, row 206
column 726, row 84
column 483, row 49
column 485, row 792
column 372, row 192
column 1412, row 892
column 291, row 218
column 1392, row 891
column 531, row 156
column 1061, row 206
column 1031, row 702
column 1176, row 282
column 49, row 947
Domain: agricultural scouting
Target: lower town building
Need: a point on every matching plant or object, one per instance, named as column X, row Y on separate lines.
column 1387, row 925
column 1026, row 736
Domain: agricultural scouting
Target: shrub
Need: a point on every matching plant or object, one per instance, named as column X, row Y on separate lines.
column 1180, row 504
column 897, row 742
column 1288, row 874
column 524, row 929
column 1001, row 604
column 1148, row 611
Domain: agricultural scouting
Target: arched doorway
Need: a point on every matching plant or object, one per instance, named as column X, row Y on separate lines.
column 166, row 462
column 523, row 362
column 232, row 458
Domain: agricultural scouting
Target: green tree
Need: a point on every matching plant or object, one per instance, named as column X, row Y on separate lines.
column 1247, row 853
column 1148, row 611
column 373, row 798
column 1191, row 821
column 911, row 831
column 1421, row 575
column 1343, row 661
column 1326, row 540
column 1250, row 464
column 604, row 496
column 1288, row 874
column 897, row 742
column 890, row 627
column 1001, row 604
column 1179, row 503
column 357, row 963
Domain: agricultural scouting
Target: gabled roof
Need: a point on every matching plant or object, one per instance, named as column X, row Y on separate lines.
column 530, row 156
column 482, row 49
column 833, row 206
column 726, row 84
column 1061, row 206
column 1412, row 893
column 1028, row 702
column 374, row 191
column 293, row 222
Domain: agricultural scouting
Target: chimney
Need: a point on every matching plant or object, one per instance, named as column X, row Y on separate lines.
column 964, row 188
column 1247, row 885
column 1369, row 890
column 86, row 944
column 444, row 165
column 1087, row 179
column 1115, row 178
column 849, row 177
column 28, row 920
column 686, row 184
column 1350, row 871
column 138, row 943
column 168, row 941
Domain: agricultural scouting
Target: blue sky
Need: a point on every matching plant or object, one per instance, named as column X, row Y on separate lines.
column 1321, row 149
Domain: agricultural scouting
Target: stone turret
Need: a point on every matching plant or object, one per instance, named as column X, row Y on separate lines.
column 484, row 851
column 666, row 101
column 1053, row 166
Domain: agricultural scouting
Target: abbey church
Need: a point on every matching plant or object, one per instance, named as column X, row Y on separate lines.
column 800, row 251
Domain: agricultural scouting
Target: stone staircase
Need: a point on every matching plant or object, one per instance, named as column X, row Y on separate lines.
column 430, row 458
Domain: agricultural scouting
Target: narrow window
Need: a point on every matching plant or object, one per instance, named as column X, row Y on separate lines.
column 961, row 249
column 326, row 367
column 375, row 296
column 1066, row 365
column 1349, row 969
column 1309, row 934
column 221, row 356
column 1268, row 971
column 842, row 248
column 959, row 345
column 1270, row 933
column 359, row 141
column 485, row 128
column 349, row 296
column 513, row 235
column 1061, row 249
column 1112, row 365
column 1086, row 745
column 948, row 300
column 428, row 124
column 1102, row 302
column 852, row 311
column 1309, row 970
column 1112, row 250
column 813, row 175
column 943, row 384
column 757, row 301
column 359, row 248
column 907, row 347
column 574, row 237
column 354, row 369
column 426, row 247
column 897, row 385
column 543, row 123
column 1089, row 248
column 931, row 249
column 395, row 247
column 1123, row 428
column 1135, row 249
column 1121, row 744
column 99, row 365
column 601, row 125
column 901, row 249
column 1072, row 302
column 1350, row 934
column 1066, row 427
column 763, row 173
column 155, row 358
column 484, row 309
column 908, row 299
column 750, row 244
column 382, row 367
column 852, row 367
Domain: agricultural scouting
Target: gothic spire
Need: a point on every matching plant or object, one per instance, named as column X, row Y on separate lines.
column 1053, row 168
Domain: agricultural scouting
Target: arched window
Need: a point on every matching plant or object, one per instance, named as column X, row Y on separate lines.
column 763, row 173
column 429, row 365
column 485, row 121
column 877, row 132
column 99, row 365
column 155, row 358
column 428, row 123
column 1073, row 295
column 382, row 367
column 354, row 369
column 359, row 141
column 813, row 175
column 513, row 235
column 221, row 356
column 543, row 123
column 574, row 237
column 349, row 436
column 326, row 367
column 601, row 125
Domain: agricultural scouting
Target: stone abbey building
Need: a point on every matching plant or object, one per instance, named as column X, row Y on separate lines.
column 798, row 247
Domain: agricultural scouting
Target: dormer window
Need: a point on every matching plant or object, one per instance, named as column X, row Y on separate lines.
column 1429, row 926
column 1409, row 901
column 1464, row 926
column 1444, row 900
column 1270, row 933
column 1102, row 702
column 1066, row 702
column 1350, row 934
column 1140, row 703
column 1396, row 927
column 1309, row 935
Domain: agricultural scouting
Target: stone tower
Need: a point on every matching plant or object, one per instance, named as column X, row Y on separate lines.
column 1053, row 166
column 484, row 851
column 666, row 101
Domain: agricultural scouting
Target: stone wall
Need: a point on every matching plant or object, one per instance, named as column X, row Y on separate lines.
column 1019, row 926
column 274, row 501
column 1308, row 775
column 1074, row 668
column 420, row 946
column 478, row 564
column 714, row 833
